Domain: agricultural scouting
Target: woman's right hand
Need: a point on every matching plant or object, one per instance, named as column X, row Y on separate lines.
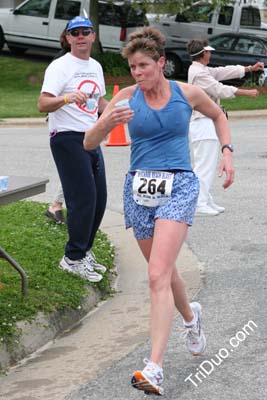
column 120, row 115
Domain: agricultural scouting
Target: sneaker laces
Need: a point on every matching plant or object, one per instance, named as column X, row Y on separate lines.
column 86, row 265
column 90, row 257
column 190, row 333
column 155, row 369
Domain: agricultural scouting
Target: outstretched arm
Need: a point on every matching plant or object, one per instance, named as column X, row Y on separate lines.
column 200, row 101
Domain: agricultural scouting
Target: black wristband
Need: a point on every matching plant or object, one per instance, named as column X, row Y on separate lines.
column 228, row 146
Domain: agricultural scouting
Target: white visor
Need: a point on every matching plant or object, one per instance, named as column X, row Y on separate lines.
column 206, row 48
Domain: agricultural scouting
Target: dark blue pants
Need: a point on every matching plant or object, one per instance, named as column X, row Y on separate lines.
column 82, row 175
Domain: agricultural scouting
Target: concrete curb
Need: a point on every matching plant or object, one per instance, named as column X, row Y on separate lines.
column 247, row 114
column 21, row 122
column 43, row 329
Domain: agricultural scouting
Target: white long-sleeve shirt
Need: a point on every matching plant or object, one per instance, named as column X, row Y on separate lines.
column 208, row 79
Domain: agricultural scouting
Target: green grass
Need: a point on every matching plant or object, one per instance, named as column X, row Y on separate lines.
column 37, row 244
column 246, row 103
column 20, row 86
column 21, row 82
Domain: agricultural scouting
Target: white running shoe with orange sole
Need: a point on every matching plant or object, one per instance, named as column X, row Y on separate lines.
column 150, row 379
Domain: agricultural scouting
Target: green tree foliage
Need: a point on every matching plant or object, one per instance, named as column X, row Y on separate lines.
column 175, row 6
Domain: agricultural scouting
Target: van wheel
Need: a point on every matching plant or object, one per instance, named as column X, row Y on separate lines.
column 173, row 66
column 2, row 39
column 17, row 50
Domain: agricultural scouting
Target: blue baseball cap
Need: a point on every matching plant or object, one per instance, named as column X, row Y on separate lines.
column 79, row 22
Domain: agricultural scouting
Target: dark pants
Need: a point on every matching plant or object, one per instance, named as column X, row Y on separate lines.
column 82, row 175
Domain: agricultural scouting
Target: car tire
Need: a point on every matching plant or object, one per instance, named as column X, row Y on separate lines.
column 173, row 66
column 17, row 50
column 262, row 79
column 2, row 39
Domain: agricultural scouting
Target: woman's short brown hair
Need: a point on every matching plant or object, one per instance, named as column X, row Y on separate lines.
column 148, row 40
column 195, row 46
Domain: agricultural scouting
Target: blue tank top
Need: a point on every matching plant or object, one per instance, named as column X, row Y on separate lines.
column 160, row 137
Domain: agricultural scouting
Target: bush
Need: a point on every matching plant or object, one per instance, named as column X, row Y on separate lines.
column 112, row 63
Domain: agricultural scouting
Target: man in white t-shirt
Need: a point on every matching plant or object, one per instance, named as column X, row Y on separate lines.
column 203, row 136
column 73, row 94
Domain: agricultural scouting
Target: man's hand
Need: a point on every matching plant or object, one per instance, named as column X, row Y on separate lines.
column 78, row 97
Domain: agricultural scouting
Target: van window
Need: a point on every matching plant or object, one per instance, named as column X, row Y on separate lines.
column 109, row 14
column 35, row 8
column 250, row 16
column 226, row 15
column 115, row 15
column 67, row 9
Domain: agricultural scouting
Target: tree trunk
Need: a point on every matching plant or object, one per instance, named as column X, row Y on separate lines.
column 93, row 15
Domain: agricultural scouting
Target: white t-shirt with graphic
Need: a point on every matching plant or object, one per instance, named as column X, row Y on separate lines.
column 68, row 74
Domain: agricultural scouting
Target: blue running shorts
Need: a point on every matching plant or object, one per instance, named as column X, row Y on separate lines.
column 180, row 207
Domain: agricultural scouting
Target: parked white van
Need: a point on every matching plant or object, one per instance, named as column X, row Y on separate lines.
column 203, row 19
column 39, row 23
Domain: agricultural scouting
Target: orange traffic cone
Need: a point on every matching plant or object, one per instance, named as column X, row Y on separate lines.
column 117, row 136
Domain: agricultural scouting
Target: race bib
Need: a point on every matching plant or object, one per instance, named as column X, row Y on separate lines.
column 152, row 188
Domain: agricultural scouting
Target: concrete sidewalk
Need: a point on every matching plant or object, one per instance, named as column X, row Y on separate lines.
column 116, row 328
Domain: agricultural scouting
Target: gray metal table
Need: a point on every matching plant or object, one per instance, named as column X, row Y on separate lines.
column 20, row 187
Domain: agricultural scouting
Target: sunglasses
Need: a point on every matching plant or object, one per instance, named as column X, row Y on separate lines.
column 84, row 32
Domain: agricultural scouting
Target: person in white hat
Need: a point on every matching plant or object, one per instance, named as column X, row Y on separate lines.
column 203, row 136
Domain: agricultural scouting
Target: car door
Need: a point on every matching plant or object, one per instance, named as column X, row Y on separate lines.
column 28, row 24
column 110, row 24
column 62, row 11
column 116, row 22
column 241, row 49
column 224, row 50
column 257, row 51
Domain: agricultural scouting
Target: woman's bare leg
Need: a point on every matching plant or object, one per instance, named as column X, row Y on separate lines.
column 161, row 252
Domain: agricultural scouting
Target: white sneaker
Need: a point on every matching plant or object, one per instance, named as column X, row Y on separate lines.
column 81, row 268
column 194, row 335
column 205, row 211
column 216, row 207
column 150, row 379
column 90, row 257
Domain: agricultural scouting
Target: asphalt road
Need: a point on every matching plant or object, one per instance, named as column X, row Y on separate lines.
column 232, row 250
